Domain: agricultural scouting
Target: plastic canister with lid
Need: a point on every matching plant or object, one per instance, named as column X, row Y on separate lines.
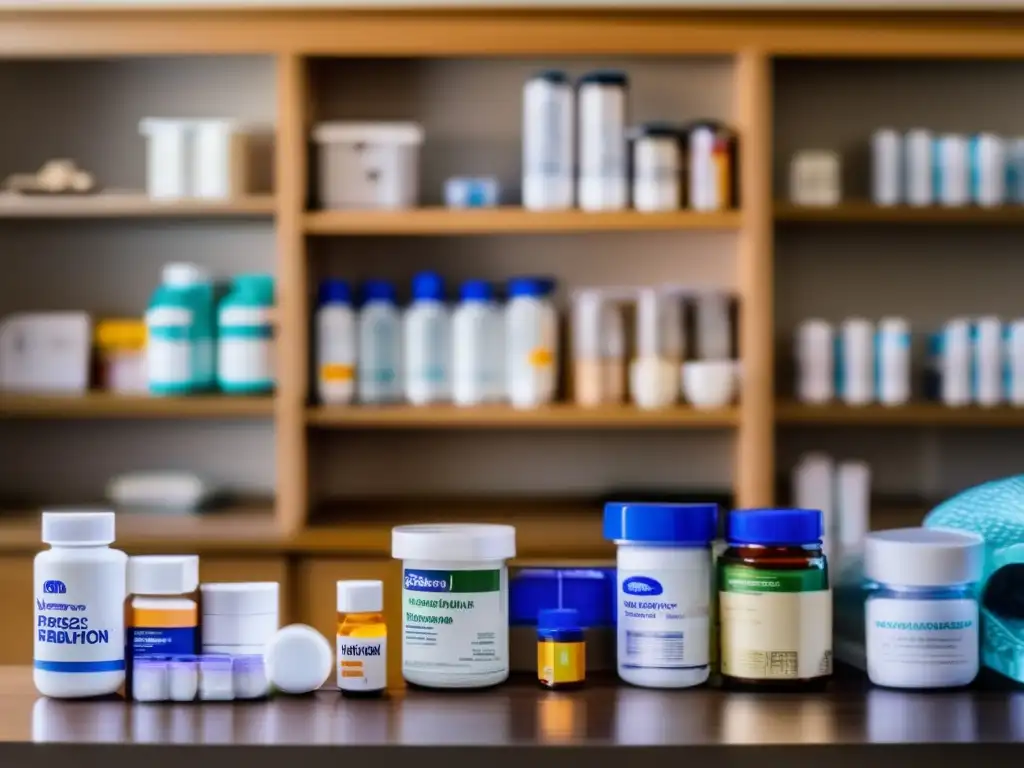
column 245, row 337
column 163, row 618
column 602, row 102
column 548, row 139
column 665, row 599
column 657, row 167
column 336, row 344
column 477, row 346
column 180, row 325
column 238, row 614
column 121, row 356
column 531, row 342
column 427, row 342
column 921, row 617
column 378, row 376
column 454, row 603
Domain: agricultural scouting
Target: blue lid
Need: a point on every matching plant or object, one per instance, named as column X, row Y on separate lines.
column 694, row 524
column 378, row 290
column 775, row 527
column 335, row 291
column 427, row 286
column 556, row 76
column 476, row 290
column 530, row 286
column 605, row 77
column 558, row 618
column 590, row 591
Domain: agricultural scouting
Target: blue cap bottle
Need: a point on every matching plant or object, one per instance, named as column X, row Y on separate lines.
column 427, row 286
column 378, row 290
column 335, row 291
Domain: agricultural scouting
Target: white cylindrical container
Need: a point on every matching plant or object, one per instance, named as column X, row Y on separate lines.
column 1014, row 362
column 664, row 591
column 952, row 170
column 588, row 381
column 654, row 373
column 921, row 619
column 987, row 360
column 988, row 170
column 548, row 142
column 955, row 351
column 163, row 617
column 531, row 342
column 856, row 362
column 853, row 503
column 892, row 361
column 712, row 167
column 240, row 616
column 886, row 167
column 657, row 167
column 602, row 136
column 918, row 169
column 218, row 160
column 815, row 348
column 427, row 339
column 379, row 373
column 168, row 157
column 477, row 339
column 80, row 588
column 245, row 337
column 454, row 603
column 335, row 344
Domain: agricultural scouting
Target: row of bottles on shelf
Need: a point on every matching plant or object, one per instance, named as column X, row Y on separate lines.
column 483, row 351
column 970, row 361
column 842, row 491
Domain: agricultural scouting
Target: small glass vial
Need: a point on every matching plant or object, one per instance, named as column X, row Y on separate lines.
column 921, row 616
column 561, row 649
column 362, row 639
column 775, row 604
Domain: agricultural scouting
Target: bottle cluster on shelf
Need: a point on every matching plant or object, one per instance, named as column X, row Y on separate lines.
column 842, row 491
column 483, row 351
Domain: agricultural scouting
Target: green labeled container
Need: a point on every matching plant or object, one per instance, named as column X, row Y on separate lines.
column 245, row 337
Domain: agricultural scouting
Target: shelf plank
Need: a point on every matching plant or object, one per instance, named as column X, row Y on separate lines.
column 864, row 212
column 504, row 417
column 101, row 405
column 129, row 205
column 497, row 221
column 911, row 415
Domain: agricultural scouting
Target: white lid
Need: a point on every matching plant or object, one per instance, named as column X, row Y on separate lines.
column 459, row 542
column 239, row 598
column 358, row 596
column 923, row 557
column 370, row 133
column 163, row 574
column 180, row 274
column 298, row 659
column 83, row 528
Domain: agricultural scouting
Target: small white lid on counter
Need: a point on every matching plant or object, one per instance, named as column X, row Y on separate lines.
column 298, row 659
column 458, row 542
column 368, row 133
column 239, row 599
column 82, row 528
column 360, row 596
column 923, row 557
column 163, row 574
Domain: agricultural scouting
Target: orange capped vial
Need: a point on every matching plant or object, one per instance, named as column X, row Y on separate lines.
column 362, row 639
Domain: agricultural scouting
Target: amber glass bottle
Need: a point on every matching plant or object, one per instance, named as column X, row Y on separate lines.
column 362, row 639
column 774, row 601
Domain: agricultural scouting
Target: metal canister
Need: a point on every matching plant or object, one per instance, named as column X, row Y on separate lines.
column 712, row 166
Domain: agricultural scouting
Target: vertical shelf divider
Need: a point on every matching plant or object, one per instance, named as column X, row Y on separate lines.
column 290, row 173
column 755, row 444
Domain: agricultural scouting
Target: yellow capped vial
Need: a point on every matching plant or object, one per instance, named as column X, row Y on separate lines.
column 362, row 639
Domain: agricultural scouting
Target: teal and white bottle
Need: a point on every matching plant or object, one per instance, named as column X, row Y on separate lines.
column 173, row 319
column 378, row 375
column 245, row 337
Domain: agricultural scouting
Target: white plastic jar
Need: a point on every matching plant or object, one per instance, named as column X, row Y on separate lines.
column 427, row 338
column 921, row 616
column 378, row 376
column 602, row 119
column 477, row 346
column 454, row 603
column 548, row 139
column 163, row 616
column 664, row 591
column 80, row 588
column 657, row 167
column 335, row 344
column 531, row 342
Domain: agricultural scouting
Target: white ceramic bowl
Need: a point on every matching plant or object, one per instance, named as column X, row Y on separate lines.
column 709, row 383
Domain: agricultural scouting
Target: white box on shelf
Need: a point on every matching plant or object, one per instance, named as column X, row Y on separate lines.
column 368, row 165
column 815, row 178
column 168, row 157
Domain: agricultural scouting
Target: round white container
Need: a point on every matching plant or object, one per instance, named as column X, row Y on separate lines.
column 378, row 376
column 602, row 131
column 454, row 603
column 298, row 659
column 335, row 344
column 657, row 168
column 240, row 598
column 921, row 620
column 531, row 343
column 247, row 629
column 79, row 587
column 664, row 593
column 548, row 133
column 427, row 342
column 478, row 346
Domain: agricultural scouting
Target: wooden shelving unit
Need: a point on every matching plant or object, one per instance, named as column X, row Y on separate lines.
column 910, row 415
column 860, row 212
column 100, row 405
column 129, row 206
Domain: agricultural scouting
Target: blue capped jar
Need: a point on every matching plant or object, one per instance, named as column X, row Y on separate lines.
column 664, row 591
column 774, row 601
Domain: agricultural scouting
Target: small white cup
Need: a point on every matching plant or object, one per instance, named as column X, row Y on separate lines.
column 709, row 383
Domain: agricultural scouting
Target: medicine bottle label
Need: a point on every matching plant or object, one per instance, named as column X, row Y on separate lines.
column 79, row 618
column 561, row 662
column 362, row 663
column 454, row 621
column 911, row 641
column 664, row 617
column 164, row 632
column 775, row 625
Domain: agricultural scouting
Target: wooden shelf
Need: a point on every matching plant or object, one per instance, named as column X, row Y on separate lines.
column 128, row 205
column 100, row 405
column 504, row 417
column 912, row 415
column 498, row 221
column 859, row 211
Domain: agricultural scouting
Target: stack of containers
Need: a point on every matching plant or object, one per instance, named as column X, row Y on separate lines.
column 239, row 619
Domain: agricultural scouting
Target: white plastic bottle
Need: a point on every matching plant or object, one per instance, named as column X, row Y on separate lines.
column 815, row 347
column 653, row 373
column 1014, row 363
column 245, row 337
column 335, row 344
column 857, row 379
column 548, row 133
column 955, row 363
column 602, row 118
column 531, row 337
column 988, row 361
column 476, row 334
column 892, row 361
column 427, row 342
column 379, row 375
column 80, row 589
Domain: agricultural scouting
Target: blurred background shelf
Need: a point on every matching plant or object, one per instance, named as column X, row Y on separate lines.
column 129, row 205
column 912, row 415
column 865, row 212
column 101, row 405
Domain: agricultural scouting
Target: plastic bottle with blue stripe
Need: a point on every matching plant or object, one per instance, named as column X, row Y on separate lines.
column 245, row 337
column 986, row 359
column 1015, row 170
column 952, row 170
column 988, row 170
column 892, row 361
column 933, row 366
column 1013, row 362
column 956, row 363
column 379, row 372
column 176, row 358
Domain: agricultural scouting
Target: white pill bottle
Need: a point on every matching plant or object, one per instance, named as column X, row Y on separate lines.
column 79, row 586
column 335, row 344
column 531, row 342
